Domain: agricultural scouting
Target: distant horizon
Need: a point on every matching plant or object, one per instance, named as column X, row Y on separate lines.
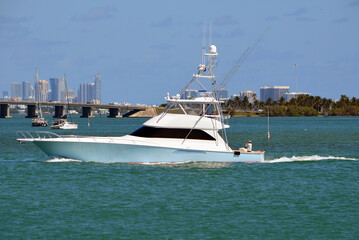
column 230, row 96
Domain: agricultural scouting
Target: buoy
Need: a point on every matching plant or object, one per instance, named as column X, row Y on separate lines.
column 268, row 135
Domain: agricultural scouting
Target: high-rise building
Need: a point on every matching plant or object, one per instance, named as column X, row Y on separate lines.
column 62, row 89
column 54, row 87
column 204, row 93
column 249, row 94
column 189, row 94
column 58, row 89
column 221, row 93
column 5, row 95
column 27, row 91
column 90, row 92
column 82, row 93
column 289, row 96
column 42, row 90
column 97, row 90
column 274, row 93
column 71, row 95
column 16, row 91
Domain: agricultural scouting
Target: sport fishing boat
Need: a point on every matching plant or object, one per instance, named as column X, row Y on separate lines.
column 188, row 129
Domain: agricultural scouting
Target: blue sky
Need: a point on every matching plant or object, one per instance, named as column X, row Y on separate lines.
column 144, row 49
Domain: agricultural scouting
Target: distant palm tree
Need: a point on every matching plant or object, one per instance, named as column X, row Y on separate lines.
column 318, row 103
column 237, row 102
column 343, row 101
column 256, row 104
column 281, row 101
column 353, row 101
column 254, row 96
column 269, row 102
column 245, row 103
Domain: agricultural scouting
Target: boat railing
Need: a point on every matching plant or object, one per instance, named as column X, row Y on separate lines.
column 46, row 135
column 36, row 134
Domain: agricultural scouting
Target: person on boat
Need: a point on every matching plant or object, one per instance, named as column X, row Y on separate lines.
column 249, row 146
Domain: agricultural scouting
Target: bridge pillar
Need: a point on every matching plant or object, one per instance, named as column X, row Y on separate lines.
column 114, row 113
column 86, row 112
column 59, row 111
column 31, row 111
column 4, row 111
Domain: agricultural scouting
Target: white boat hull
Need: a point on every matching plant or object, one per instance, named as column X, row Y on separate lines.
column 112, row 152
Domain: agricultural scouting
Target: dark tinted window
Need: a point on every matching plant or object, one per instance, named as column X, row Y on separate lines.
column 151, row 132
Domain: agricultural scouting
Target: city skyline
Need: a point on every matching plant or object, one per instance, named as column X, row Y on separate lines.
column 54, row 90
column 145, row 54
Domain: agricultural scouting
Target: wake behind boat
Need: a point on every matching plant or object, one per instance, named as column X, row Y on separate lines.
column 187, row 130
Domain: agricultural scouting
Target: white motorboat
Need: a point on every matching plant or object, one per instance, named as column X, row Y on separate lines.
column 63, row 124
column 39, row 122
column 187, row 130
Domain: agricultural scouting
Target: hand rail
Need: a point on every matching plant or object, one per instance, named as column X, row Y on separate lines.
column 36, row 134
column 45, row 134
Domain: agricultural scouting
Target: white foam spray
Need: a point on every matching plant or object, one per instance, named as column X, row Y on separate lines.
column 308, row 158
column 62, row 160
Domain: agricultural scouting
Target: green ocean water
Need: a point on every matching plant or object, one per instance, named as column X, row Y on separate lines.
column 308, row 188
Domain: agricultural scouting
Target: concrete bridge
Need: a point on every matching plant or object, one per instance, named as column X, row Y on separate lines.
column 114, row 110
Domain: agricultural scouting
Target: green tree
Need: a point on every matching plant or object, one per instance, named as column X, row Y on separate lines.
column 282, row 101
column 343, row 102
column 245, row 103
column 237, row 102
column 269, row 102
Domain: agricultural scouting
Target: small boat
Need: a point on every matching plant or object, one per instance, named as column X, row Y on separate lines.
column 39, row 122
column 188, row 130
column 63, row 124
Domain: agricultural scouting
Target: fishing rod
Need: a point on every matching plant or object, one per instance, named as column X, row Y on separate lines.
column 246, row 53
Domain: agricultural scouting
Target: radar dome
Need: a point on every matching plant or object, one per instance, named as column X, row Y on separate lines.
column 212, row 49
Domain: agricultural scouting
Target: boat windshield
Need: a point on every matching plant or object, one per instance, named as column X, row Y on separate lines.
column 151, row 132
column 194, row 109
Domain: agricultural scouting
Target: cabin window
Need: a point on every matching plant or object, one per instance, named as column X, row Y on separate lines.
column 151, row 132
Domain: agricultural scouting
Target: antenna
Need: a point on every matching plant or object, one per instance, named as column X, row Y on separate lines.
column 36, row 75
column 38, row 89
column 67, row 98
column 296, row 78
column 210, row 33
column 204, row 42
